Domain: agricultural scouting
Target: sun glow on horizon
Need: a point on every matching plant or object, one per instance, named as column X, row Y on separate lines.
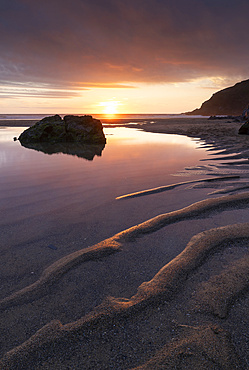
column 110, row 107
column 111, row 102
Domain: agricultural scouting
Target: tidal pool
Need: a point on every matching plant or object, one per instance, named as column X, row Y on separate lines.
column 68, row 202
column 131, row 160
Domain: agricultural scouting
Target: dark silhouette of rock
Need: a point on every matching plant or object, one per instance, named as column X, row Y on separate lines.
column 230, row 101
column 86, row 151
column 244, row 129
column 220, row 117
column 54, row 129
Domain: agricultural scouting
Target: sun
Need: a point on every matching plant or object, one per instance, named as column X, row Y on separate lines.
column 110, row 107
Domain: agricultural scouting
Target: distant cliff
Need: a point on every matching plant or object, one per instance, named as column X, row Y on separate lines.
column 230, row 101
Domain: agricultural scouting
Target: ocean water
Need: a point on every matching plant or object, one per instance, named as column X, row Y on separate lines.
column 99, row 116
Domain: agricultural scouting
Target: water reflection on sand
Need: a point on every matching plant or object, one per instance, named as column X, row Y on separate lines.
column 129, row 155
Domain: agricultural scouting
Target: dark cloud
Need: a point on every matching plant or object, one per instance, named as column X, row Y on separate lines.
column 84, row 42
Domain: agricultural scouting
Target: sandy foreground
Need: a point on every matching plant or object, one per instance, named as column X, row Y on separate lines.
column 191, row 313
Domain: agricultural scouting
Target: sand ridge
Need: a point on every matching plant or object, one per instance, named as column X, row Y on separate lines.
column 160, row 189
column 113, row 244
column 217, row 294
column 197, row 347
column 166, row 282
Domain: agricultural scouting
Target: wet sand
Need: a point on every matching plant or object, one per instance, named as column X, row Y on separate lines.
column 191, row 312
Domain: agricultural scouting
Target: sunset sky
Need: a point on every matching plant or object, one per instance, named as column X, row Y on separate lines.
column 107, row 56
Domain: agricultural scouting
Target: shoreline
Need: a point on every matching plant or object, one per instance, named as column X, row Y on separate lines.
column 215, row 134
column 175, row 312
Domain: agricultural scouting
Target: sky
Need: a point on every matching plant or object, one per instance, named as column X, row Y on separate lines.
column 116, row 56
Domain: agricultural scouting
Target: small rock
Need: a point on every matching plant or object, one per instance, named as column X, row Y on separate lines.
column 51, row 246
column 244, row 129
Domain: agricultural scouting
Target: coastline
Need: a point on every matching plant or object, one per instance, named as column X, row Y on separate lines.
column 168, row 321
column 211, row 132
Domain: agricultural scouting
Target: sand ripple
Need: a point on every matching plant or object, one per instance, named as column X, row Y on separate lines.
column 199, row 347
column 111, row 245
column 161, row 287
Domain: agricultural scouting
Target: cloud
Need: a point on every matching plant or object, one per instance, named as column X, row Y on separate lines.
column 118, row 43
column 11, row 89
column 38, row 93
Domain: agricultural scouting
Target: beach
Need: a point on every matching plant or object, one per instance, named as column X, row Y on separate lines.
column 163, row 284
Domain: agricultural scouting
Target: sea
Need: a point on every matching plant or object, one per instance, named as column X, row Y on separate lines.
column 99, row 116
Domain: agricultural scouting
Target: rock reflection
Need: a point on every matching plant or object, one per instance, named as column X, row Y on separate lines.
column 86, row 151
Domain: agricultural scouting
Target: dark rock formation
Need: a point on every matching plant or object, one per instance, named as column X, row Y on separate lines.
column 221, row 117
column 244, row 129
column 230, row 101
column 54, row 129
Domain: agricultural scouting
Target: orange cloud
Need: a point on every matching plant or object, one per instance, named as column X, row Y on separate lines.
column 117, row 43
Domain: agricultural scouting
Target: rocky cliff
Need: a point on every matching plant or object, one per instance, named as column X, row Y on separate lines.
column 230, row 101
